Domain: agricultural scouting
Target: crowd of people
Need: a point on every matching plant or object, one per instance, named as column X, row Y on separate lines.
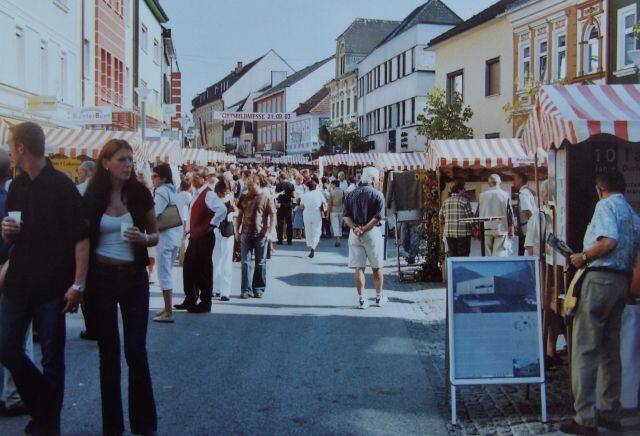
column 94, row 245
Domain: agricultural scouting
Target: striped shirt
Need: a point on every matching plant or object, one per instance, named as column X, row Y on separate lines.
column 455, row 208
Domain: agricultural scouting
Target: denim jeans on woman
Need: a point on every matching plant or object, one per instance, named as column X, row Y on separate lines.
column 127, row 286
column 254, row 264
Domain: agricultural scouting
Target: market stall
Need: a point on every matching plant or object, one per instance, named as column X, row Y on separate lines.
column 588, row 129
column 297, row 160
column 472, row 160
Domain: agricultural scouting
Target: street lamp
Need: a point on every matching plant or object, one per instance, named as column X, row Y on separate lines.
column 143, row 93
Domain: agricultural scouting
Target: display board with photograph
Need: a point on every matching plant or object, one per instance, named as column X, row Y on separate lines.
column 495, row 321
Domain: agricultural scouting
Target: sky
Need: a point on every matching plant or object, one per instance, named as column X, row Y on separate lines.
column 211, row 36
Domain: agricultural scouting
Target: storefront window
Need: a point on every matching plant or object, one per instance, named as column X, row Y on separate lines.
column 592, row 50
column 561, row 57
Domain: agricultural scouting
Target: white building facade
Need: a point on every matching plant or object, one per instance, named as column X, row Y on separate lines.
column 303, row 132
column 40, row 48
column 150, row 69
column 394, row 78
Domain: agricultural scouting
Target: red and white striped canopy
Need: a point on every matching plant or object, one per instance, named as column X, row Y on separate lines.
column 573, row 113
column 195, row 156
column 481, row 153
column 76, row 142
column 165, row 150
column 402, row 161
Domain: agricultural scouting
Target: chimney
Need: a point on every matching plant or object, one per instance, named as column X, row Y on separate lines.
column 238, row 66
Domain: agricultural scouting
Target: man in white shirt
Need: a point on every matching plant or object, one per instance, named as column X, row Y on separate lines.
column 527, row 207
column 343, row 181
column 495, row 202
column 85, row 172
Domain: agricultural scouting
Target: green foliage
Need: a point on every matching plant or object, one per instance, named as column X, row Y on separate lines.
column 342, row 135
column 445, row 120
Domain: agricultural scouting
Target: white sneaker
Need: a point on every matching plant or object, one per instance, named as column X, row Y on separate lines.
column 363, row 303
column 381, row 300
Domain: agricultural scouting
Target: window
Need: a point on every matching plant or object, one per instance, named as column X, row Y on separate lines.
column 342, row 108
column 156, row 51
column 348, row 105
column 44, row 68
column 86, row 54
column 20, row 57
column 143, row 38
column 591, row 56
column 541, row 66
column 561, row 58
column 398, row 66
column 404, row 64
column 492, row 136
column 455, row 83
column 413, row 110
column 492, row 77
column 626, row 39
column 413, row 59
column 525, row 65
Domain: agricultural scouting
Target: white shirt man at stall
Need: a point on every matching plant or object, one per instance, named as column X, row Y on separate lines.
column 527, row 207
column 495, row 202
column 85, row 172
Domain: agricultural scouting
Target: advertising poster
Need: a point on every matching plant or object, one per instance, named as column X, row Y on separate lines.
column 495, row 328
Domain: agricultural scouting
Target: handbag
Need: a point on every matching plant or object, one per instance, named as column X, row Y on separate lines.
column 169, row 218
column 226, row 226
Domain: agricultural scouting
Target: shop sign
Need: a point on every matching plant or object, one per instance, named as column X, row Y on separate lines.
column 67, row 165
column 91, row 115
column 38, row 103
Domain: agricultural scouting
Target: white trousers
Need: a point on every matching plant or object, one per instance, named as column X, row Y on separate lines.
column 336, row 224
column 497, row 245
column 312, row 227
column 222, row 263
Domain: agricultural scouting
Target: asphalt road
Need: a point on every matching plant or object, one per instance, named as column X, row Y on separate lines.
column 302, row 360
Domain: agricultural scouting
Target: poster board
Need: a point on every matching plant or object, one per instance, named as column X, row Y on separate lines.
column 494, row 320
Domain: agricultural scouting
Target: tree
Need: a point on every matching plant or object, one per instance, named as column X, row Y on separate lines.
column 445, row 120
column 342, row 135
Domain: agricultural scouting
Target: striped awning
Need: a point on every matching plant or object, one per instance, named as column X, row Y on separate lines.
column 79, row 142
column 480, row 153
column 196, row 156
column 165, row 150
column 573, row 113
column 76, row 142
column 219, row 157
column 402, row 161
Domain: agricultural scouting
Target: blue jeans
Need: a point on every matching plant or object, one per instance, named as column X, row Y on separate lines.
column 254, row 264
column 42, row 392
column 127, row 286
column 8, row 391
column 411, row 237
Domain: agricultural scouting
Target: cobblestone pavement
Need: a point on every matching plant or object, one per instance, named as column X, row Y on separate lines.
column 490, row 409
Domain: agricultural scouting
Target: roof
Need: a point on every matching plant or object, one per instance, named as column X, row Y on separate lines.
column 312, row 102
column 363, row 34
column 517, row 4
column 157, row 11
column 480, row 18
column 212, row 94
column 477, row 153
column 295, row 77
column 432, row 12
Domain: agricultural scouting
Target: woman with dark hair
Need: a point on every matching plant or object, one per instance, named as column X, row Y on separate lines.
column 312, row 204
column 170, row 239
column 122, row 227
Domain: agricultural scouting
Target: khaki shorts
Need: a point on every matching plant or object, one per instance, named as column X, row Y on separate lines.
column 369, row 246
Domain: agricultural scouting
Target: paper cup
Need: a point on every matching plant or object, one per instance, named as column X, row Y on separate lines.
column 16, row 215
column 123, row 228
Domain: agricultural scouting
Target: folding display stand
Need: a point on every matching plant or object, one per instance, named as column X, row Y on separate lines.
column 402, row 217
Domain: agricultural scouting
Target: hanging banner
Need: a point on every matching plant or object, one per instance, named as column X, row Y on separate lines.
column 252, row 116
column 91, row 115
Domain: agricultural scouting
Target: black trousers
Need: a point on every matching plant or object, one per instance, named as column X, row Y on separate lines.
column 127, row 286
column 285, row 216
column 459, row 247
column 197, row 273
